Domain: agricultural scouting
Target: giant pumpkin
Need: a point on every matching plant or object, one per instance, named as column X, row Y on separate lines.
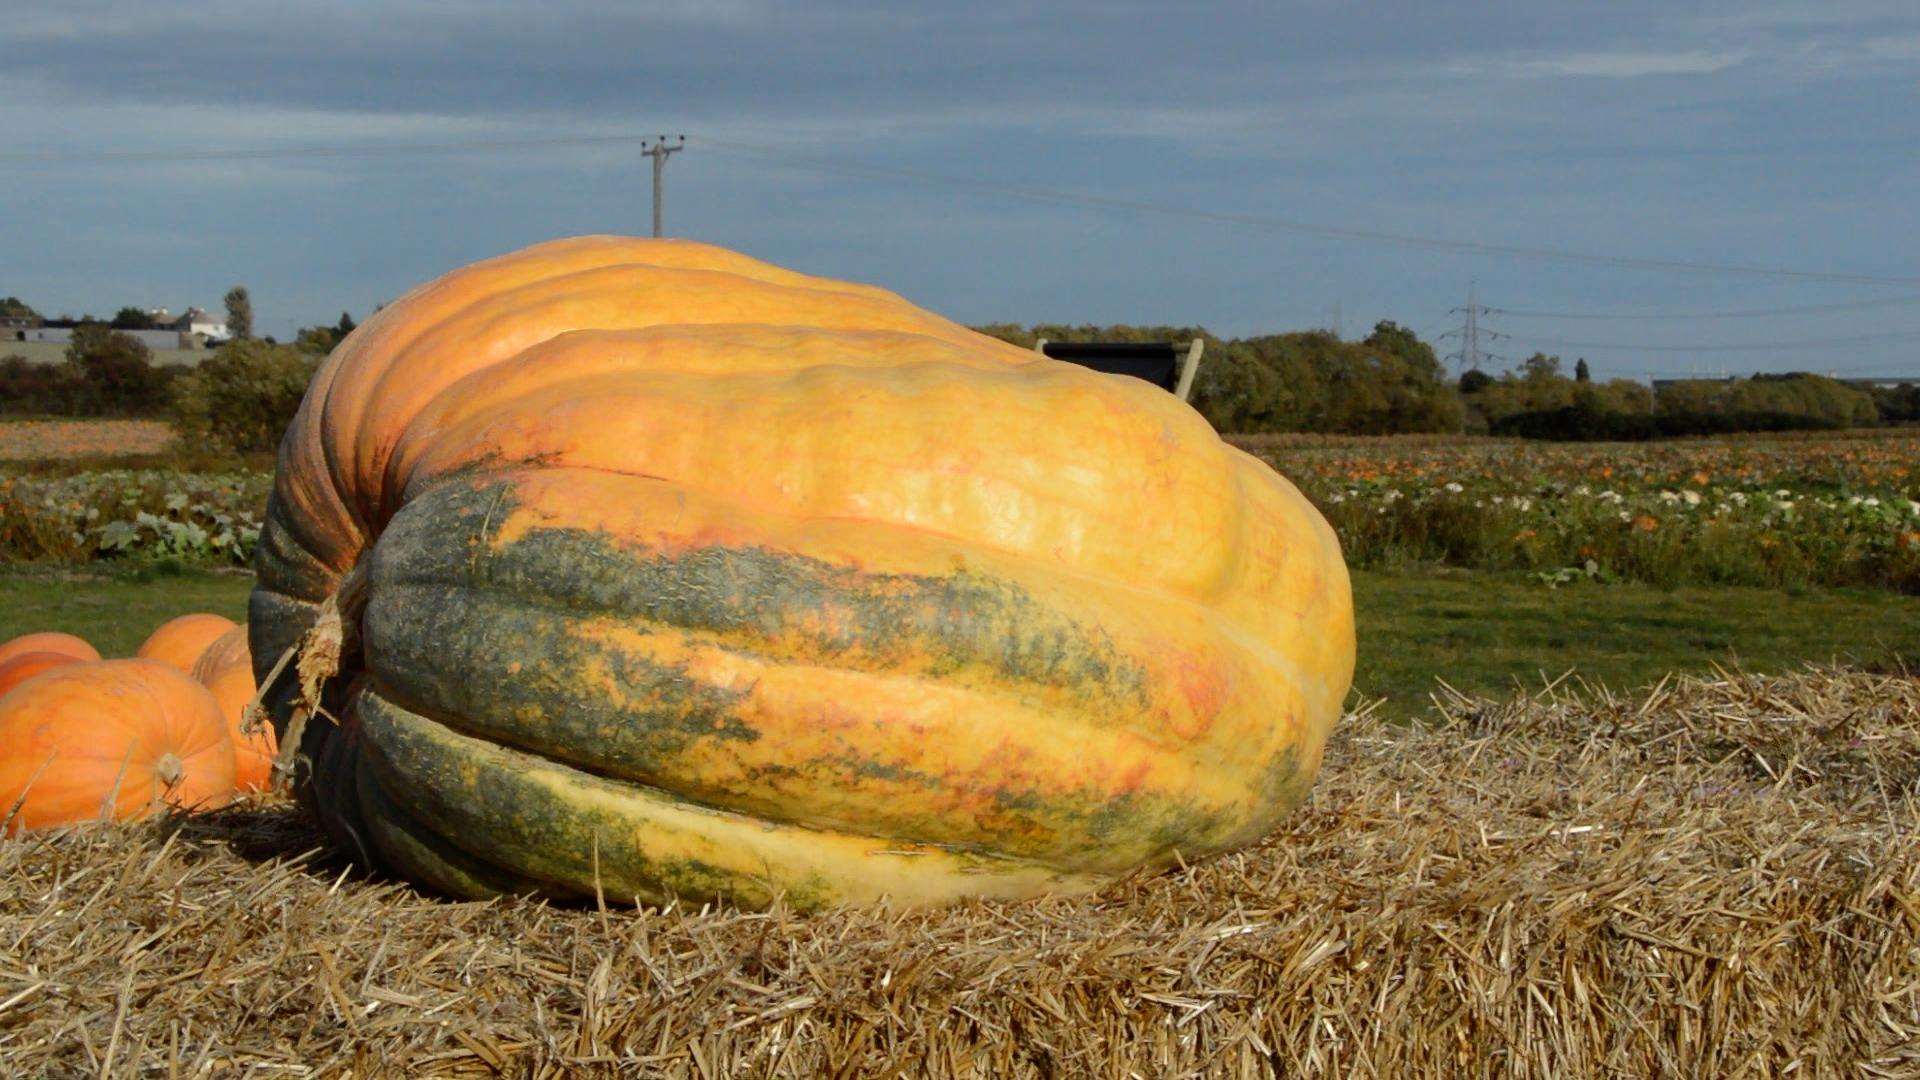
column 645, row 568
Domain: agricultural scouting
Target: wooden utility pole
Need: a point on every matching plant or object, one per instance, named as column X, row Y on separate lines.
column 658, row 152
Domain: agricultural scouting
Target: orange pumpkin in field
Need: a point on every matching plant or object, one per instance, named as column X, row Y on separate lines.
column 49, row 641
column 226, row 669
column 25, row 666
column 114, row 740
column 180, row 641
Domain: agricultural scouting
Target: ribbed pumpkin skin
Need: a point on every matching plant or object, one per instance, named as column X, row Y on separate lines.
column 110, row 739
column 179, row 641
column 226, row 669
column 687, row 575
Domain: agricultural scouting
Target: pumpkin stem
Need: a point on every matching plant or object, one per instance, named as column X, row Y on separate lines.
column 317, row 658
column 169, row 769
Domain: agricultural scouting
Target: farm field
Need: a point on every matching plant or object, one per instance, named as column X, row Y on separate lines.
column 1809, row 509
column 1692, row 856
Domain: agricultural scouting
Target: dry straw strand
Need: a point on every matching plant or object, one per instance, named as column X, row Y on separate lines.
column 1716, row 877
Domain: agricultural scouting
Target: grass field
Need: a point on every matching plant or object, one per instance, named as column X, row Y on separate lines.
column 1484, row 634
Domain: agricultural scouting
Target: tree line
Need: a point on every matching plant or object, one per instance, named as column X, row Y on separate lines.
column 1391, row 382
column 1388, row 382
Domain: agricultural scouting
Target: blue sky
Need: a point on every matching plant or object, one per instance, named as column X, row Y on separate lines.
column 1772, row 135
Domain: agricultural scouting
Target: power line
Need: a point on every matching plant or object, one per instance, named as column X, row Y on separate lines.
column 86, row 157
column 1056, row 195
column 1026, row 192
column 1769, row 346
column 1749, row 313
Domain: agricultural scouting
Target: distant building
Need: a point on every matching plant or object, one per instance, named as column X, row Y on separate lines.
column 196, row 329
column 60, row 335
column 196, row 321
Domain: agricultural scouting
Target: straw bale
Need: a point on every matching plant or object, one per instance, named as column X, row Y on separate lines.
column 1717, row 877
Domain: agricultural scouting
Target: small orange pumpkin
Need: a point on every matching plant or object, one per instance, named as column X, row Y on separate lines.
column 180, row 641
column 115, row 740
column 25, row 666
column 49, row 641
column 226, row 669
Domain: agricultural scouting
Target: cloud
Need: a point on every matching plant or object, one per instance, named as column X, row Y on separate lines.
column 1609, row 65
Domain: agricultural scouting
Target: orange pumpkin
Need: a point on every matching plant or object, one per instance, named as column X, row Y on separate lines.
column 180, row 641
column 113, row 740
column 666, row 572
column 49, row 641
column 226, row 670
column 20, row 668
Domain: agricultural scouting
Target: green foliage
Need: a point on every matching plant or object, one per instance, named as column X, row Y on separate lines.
column 1778, row 511
column 28, row 388
column 1389, row 383
column 1392, row 383
column 121, row 514
column 244, row 395
column 112, row 374
column 1898, row 404
column 12, row 307
column 239, row 313
column 132, row 318
column 321, row 340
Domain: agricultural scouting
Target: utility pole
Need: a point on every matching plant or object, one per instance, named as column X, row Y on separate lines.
column 659, row 152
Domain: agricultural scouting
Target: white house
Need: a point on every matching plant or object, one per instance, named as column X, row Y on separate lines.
column 197, row 321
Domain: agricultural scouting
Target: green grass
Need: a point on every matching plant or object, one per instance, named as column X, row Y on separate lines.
column 1486, row 632
column 115, row 613
column 1482, row 632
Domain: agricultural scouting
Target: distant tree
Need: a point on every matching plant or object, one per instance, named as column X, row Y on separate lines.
column 1540, row 367
column 321, row 340
column 131, row 318
column 244, row 395
column 239, row 313
column 1580, row 372
column 12, row 307
column 1472, row 382
column 1402, row 342
column 115, row 372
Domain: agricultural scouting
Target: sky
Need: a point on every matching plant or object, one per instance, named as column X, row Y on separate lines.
column 1069, row 162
